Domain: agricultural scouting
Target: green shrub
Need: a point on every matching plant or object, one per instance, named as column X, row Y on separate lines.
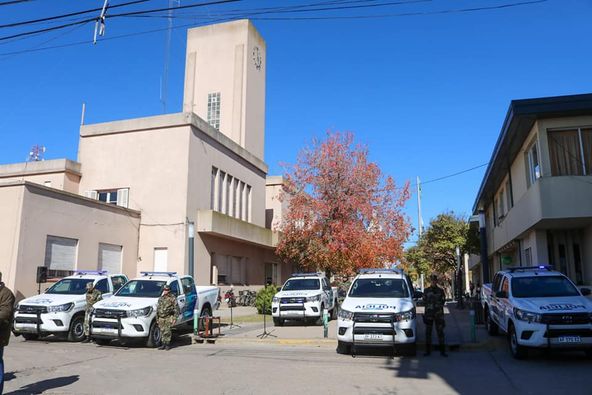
column 263, row 300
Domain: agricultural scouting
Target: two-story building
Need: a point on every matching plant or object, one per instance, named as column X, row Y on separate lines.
column 181, row 192
column 536, row 195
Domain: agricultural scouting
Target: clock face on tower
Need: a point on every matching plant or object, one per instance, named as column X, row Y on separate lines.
column 257, row 61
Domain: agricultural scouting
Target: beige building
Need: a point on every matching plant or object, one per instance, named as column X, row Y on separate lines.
column 536, row 195
column 184, row 192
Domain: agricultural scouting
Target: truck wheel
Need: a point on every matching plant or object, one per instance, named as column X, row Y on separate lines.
column 30, row 336
column 333, row 315
column 278, row 322
column 76, row 332
column 517, row 351
column 153, row 336
column 491, row 326
column 319, row 321
column 343, row 348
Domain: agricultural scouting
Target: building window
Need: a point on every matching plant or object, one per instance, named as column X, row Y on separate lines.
column 119, row 197
column 213, row 188
column 570, row 151
column 110, row 257
column 214, row 109
column 533, row 168
column 108, row 196
column 528, row 257
column 248, row 204
column 228, row 191
column 221, row 177
column 502, row 210
column 60, row 256
column 509, row 195
column 161, row 257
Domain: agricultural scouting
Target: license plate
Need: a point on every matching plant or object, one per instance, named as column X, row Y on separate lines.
column 373, row 336
column 292, row 312
column 570, row 339
column 104, row 330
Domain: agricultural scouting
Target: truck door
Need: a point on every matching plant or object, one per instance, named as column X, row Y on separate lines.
column 503, row 304
column 494, row 302
column 190, row 297
column 180, row 299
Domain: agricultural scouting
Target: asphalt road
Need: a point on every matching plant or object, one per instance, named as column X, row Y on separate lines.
column 66, row 368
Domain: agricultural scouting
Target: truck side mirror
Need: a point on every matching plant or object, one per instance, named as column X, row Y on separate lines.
column 586, row 291
column 501, row 294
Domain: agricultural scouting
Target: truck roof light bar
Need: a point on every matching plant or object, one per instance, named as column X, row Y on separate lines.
column 93, row 272
column 307, row 274
column 548, row 268
column 379, row 270
column 170, row 274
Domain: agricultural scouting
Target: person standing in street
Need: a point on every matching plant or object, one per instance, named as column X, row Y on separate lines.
column 167, row 312
column 433, row 298
column 6, row 313
column 93, row 295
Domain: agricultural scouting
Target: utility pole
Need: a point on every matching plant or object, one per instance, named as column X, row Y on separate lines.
column 419, row 227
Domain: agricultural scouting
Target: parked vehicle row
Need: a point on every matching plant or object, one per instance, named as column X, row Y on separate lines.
column 127, row 311
column 538, row 307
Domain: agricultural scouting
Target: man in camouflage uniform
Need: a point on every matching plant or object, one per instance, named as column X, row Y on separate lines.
column 93, row 295
column 433, row 298
column 167, row 312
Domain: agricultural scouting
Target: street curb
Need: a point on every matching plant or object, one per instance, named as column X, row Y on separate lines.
column 482, row 346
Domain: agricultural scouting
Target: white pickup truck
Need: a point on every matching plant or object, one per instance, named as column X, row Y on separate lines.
column 131, row 312
column 379, row 310
column 60, row 309
column 304, row 297
column 538, row 307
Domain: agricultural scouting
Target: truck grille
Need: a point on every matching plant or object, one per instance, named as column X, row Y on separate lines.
column 27, row 309
column 108, row 325
column 109, row 313
column 566, row 319
column 363, row 330
column 292, row 300
column 374, row 318
column 292, row 308
column 27, row 320
column 568, row 332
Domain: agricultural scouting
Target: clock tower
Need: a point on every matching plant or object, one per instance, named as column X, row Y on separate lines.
column 225, row 81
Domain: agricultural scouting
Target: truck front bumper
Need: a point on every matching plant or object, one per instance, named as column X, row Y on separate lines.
column 296, row 311
column 376, row 334
column 111, row 328
column 554, row 336
column 45, row 323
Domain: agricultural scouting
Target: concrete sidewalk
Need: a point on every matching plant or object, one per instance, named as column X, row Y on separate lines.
column 457, row 331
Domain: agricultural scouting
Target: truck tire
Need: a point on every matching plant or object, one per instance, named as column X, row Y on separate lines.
column 343, row 348
column 206, row 311
column 334, row 312
column 492, row 328
column 278, row 321
column 153, row 336
column 517, row 351
column 30, row 336
column 76, row 332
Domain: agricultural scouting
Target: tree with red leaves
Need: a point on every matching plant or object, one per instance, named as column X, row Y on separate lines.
column 343, row 214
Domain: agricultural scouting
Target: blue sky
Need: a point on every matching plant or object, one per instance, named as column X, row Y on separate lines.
column 427, row 94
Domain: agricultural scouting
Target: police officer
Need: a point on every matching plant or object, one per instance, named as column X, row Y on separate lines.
column 93, row 295
column 433, row 298
column 167, row 312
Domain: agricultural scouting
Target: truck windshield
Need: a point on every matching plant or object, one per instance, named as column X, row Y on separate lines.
column 379, row 288
column 543, row 287
column 141, row 289
column 70, row 286
column 302, row 284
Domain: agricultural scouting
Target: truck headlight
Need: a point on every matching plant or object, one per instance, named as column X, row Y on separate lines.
column 60, row 308
column 315, row 298
column 405, row 315
column 345, row 315
column 275, row 300
column 146, row 311
column 528, row 316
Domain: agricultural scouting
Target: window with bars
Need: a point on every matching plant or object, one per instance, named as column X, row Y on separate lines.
column 214, row 109
column 230, row 196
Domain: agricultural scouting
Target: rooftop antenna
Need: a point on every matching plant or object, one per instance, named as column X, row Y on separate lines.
column 36, row 153
column 164, row 83
column 100, row 23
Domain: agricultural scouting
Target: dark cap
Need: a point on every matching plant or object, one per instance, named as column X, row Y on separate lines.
column 166, row 287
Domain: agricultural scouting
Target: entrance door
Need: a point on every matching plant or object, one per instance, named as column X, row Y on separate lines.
column 161, row 256
column 565, row 253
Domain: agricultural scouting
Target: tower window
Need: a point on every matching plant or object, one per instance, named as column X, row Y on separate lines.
column 214, row 109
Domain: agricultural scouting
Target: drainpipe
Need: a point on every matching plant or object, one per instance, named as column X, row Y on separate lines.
column 191, row 239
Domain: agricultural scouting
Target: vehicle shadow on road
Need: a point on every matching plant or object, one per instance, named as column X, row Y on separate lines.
column 45, row 385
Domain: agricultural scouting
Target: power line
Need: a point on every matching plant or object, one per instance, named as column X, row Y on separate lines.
column 14, row 2
column 454, row 174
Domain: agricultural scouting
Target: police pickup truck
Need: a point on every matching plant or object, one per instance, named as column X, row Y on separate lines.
column 379, row 310
column 131, row 312
column 304, row 297
column 60, row 309
column 538, row 307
